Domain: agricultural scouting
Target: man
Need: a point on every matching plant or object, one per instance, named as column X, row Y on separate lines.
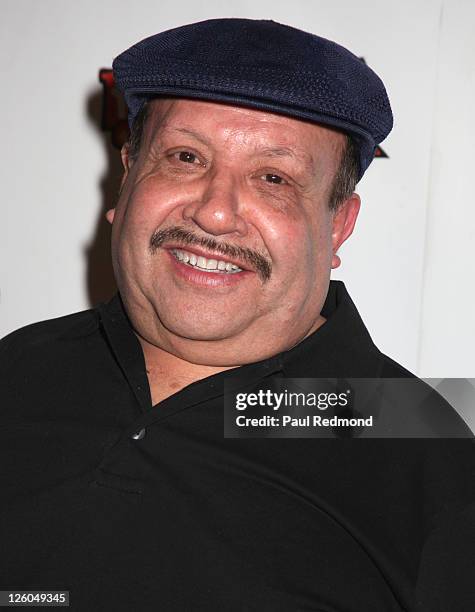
column 247, row 140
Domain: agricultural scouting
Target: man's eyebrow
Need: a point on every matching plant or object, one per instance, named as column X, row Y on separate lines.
column 192, row 133
column 299, row 156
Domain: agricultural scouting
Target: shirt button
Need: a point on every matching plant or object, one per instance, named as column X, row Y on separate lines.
column 139, row 435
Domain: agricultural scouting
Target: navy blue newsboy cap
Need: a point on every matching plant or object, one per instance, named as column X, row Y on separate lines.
column 264, row 65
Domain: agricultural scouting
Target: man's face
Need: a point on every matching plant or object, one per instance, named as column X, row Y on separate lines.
column 238, row 186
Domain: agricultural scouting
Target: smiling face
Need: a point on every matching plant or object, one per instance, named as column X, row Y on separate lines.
column 222, row 238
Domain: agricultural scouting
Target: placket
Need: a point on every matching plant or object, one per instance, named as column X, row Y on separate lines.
column 199, row 392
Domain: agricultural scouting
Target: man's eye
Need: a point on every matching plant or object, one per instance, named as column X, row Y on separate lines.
column 186, row 156
column 273, row 178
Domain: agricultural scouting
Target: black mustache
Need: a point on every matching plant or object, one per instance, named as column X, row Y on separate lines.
column 176, row 234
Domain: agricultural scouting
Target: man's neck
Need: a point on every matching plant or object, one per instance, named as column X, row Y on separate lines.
column 167, row 374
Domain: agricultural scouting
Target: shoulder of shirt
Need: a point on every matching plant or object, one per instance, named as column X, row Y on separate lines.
column 392, row 369
column 42, row 333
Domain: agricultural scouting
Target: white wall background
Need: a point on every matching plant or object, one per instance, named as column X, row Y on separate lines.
column 410, row 264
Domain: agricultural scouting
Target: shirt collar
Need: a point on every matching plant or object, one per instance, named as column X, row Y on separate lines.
column 341, row 347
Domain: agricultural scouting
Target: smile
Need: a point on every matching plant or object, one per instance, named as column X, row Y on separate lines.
column 217, row 266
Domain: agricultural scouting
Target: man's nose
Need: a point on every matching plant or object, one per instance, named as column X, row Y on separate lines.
column 217, row 208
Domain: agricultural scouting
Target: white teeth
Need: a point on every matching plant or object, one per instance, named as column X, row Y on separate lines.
column 206, row 264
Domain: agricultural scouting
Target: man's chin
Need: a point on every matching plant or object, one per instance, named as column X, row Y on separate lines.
column 200, row 331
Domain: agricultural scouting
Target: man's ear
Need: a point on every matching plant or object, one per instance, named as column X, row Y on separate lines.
column 126, row 163
column 110, row 214
column 343, row 224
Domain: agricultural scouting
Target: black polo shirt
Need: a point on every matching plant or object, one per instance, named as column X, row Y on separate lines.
column 137, row 507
